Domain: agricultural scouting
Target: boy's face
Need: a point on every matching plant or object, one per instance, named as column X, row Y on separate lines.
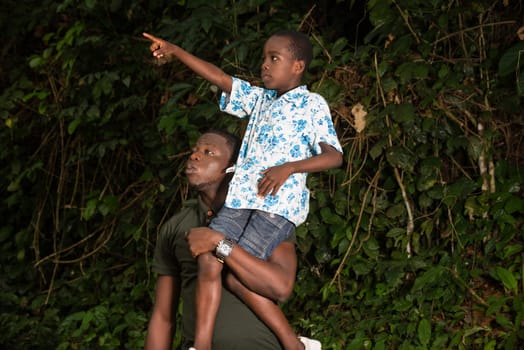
column 280, row 70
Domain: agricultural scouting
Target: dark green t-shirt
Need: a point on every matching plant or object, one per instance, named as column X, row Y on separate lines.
column 236, row 327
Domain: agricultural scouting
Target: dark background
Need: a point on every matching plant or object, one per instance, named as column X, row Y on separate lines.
column 414, row 243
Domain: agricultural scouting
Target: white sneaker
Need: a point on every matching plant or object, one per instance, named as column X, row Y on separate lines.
column 310, row 344
column 191, row 348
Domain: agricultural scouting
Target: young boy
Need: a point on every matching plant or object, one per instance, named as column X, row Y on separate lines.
column 290, row 133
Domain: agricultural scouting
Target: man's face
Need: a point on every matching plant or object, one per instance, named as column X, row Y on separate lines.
column 207, row 163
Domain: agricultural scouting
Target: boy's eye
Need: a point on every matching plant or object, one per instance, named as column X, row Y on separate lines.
column 209, row 152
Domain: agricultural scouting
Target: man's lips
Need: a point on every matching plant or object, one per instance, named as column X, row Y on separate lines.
column 191, row 169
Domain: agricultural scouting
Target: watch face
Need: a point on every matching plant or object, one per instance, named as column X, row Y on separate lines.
column 226, row 248
column 223, row 250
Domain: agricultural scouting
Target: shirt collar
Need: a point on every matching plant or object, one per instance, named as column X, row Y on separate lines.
column 204, row 211
column 292, row 95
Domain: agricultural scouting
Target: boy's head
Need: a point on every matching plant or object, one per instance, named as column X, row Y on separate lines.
column 299, row 46
column 286, row 56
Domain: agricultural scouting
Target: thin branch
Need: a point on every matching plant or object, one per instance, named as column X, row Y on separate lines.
column 406, row 20
column 460, row 32
column 357, row 225
column 471, row 291
column 411, row 223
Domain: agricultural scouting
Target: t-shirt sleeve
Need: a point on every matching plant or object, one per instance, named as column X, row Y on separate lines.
column 164, row 259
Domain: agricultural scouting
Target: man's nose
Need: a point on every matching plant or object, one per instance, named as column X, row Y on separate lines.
column 195, row 156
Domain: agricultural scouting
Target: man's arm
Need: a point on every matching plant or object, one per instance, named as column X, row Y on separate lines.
column 273, row 278
column 164, row 49
column 162, row 324
column 274, row 177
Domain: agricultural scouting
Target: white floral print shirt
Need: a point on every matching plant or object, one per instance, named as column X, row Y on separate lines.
column 280, row 129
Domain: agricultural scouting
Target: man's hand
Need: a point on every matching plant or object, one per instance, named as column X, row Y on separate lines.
column 274, row 178
column 203, row 240
column 161, row 49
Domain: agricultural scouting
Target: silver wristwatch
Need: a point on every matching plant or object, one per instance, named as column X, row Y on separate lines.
column 223, row 249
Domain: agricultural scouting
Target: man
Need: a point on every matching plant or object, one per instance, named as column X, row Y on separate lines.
column 236, row 327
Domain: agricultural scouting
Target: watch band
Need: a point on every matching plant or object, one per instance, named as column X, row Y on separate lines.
column 223, row 249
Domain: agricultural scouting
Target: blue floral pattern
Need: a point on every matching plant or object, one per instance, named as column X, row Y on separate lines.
column 280, row 129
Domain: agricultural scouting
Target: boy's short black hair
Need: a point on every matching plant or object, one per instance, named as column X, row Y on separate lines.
column 299, row 45
column 231, row 140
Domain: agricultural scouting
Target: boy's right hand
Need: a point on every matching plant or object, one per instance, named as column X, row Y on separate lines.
column 160, row 48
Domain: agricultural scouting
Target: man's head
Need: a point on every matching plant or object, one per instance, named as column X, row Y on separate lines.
column 286, row 56
column 213, row 153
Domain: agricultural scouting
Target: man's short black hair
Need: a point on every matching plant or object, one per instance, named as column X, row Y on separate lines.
column 299, row 45
column 231, row 140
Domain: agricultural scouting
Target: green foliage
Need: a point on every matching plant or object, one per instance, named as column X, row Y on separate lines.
column 415, row 243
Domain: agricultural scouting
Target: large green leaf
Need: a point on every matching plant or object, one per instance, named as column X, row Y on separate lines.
column 412, row 70
column 424, row 332
column 401, row 158
column 403, row 112
column 507, row 278
column 429, row 278
column 512, row 60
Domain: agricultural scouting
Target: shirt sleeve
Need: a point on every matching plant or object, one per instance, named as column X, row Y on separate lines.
column 164, row 259
column 242, row 100
column 322, row 123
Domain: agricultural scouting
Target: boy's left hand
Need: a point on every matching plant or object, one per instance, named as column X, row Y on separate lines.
column 273, row 178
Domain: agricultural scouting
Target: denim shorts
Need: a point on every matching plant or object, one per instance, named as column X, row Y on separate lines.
column 258, row 232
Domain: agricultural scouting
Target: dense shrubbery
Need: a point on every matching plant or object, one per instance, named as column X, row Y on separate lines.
column 416, row 243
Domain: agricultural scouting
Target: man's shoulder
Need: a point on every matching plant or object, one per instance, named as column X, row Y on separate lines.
column 189, row 211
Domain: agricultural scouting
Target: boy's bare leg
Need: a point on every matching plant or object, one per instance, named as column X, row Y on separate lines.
column 208, row 294
column 268, row 311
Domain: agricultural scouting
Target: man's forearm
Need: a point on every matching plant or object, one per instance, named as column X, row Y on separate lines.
column 159, row 335
column 273, row 279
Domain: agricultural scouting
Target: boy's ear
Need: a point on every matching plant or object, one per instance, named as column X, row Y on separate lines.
column 299, row 66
